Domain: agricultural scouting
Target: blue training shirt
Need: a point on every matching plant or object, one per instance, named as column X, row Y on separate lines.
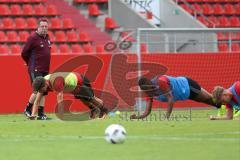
column 179, row 87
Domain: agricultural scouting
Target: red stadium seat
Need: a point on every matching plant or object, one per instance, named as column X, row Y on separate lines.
column 3, row 37
column 187, row 8
column 229, row 9
column 197, row 7
column 76, row 49
column 203, row 20
column 103, row 1
column 224, row 22
column 68, row 23
column 55, row 23
column 88, row 48
column 15, row 49
column 144, row 48
column 51, row 36
column 4, row 49
column 222, row 36
column 72, row 36
column 60, row 36
column 191, row 1
column 4, row 10
column 28, row 9
column 93, row 10
column 218, row 9
column 64, row 49
column 38, row 1
column 100, row 49
column 223, row 47
column 12, row 36
column 16, row 10
column 54, row 49
column 214, row 20
column 235, row 36
column 24, row 1
column 235, row 21
column 39, row 10
column 237, row 8
column 207, row 9
column 32, row 23
column 8, row 23
column 126, row 36
column 84, row 37
column 23, row 36
column 235, row 47
column 20, row 23
column 110, row 24
column 52, row 10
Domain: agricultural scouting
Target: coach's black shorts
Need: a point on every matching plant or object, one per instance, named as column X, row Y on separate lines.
column 34, row 74
column 85, row 92
column 195, row 88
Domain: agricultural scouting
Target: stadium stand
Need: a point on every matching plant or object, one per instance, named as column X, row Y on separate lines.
column 66, row 29
column 222, row 13
column 67, row 25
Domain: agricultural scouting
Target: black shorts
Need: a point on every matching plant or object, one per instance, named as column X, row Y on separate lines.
column 195, row 88
column 85, row 92
column 34, row 74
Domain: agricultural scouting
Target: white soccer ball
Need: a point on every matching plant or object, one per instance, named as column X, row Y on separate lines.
column 115, row 134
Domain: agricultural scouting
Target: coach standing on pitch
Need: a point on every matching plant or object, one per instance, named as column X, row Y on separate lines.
column 36, row 54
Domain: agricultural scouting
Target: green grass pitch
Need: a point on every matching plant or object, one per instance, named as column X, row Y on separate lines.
column 196, row 138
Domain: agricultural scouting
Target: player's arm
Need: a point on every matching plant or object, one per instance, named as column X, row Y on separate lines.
column 146, row 112
column 60, row 99
column 60, row 103
column 164, row 86
column 228, row 116
column 170, row 102
column 36, row 104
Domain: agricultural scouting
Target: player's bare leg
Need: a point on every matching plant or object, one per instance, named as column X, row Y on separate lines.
column 99, row 104
column 204, row 97
column 94, row 111
column 41, row 115
column 28, row 109
column 41, row 102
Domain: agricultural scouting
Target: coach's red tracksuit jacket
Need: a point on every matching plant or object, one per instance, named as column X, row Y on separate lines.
column 36, row 53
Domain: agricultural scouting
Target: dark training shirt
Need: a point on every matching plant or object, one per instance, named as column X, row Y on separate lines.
column 36, row 53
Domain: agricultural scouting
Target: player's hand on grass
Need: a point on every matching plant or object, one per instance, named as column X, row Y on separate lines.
column 32, row 117
column 212, row 117
column 133, row 116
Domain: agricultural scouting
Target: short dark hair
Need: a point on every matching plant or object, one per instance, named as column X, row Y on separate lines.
column 38, row 83
column 143, row 81
column 42, row 20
